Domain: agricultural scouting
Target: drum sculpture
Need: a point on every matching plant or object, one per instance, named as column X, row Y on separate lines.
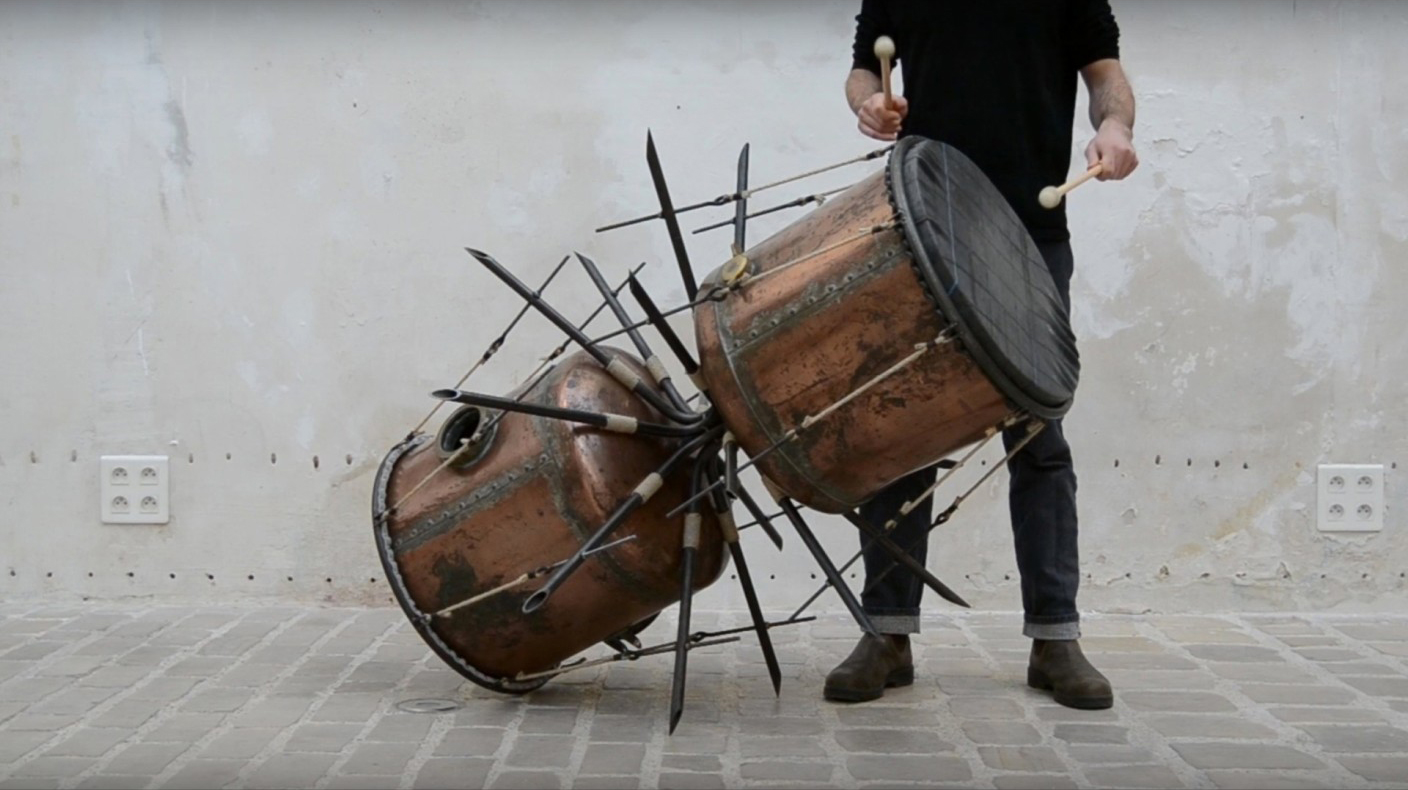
column 907, row 318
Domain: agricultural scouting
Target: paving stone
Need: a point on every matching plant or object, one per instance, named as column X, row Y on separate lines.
column 89, row 742
column 184, row 728
column 272, row 712
column 79, row 699
column 1323, row 714
column 1134, row 776
column 1092, row 733
column 1396, row 649
column 1388, row 631
column 470, row 742
column 381, row 759
column 890, row 741
column 204, row 773
column 1232, row 653
column 114, row 782
column 348, row 708
column 786, row 746
column 540, row 751
column 1297, row 695
column 605, row 783
column 1060, row 713
column 42, row 722
column 1143, row 661
column 985, row 708
column 865, row 716
column 1013, row 733
column 1263, row 780
column 451, row 774
column 1160, row 680
column 798, row 773
column 1032, row 782
column 1377, row 769
column 16, row 744
column 1328, row 653
column 780, row 725
column 694, row 741
column 613, row 758
column 678, row 781
column 1188, row 702
column 548, row 721
column 129, row 713
column 164, row 689
column 1106, row 753
column 620, row 728
column 1395, row 687
column 239, row 743
column 1030, row 759
column 909, row 768
column 1262, row 673
column 1193, row 726
column 144, row 759
column 217, row 700
column 692, row 762
column 1243, row 755
column 361, row 782
column 53, row 767
column 1358, row 739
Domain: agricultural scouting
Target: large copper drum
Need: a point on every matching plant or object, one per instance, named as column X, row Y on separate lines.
column 529, row 495
column 790, row 344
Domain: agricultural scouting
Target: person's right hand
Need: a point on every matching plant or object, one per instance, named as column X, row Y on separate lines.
column 879, row 121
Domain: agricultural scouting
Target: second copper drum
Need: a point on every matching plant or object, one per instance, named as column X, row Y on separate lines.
column 796, row 341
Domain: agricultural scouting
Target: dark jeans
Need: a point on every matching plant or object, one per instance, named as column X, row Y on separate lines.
column 1042, row 501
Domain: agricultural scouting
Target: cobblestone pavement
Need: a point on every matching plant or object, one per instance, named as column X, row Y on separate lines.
column 139, row 696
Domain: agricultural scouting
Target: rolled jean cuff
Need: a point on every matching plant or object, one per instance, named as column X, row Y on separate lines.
column 895, row 623
column 1051, row 632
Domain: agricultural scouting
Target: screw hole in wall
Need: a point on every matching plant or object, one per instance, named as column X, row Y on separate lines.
column 273, row 458
column 1216, row 464
column 172, row 575
column 251, row 577
column 210, row 577
column 72, row 455
column 227, row 456
column 131, row 575
column 315, row 462
column 349, row 459
column 1158, row 459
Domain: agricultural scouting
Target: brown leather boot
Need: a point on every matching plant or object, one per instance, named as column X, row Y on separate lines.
column 876, row 663
column 1060, row 667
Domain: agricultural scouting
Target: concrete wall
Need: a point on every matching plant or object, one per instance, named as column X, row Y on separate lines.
column 231, row 233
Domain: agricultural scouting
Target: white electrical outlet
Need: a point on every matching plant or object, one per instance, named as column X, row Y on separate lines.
column 1350, row 498
column 135, row 489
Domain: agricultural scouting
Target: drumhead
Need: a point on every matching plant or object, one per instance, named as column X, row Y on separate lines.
column 985, row 275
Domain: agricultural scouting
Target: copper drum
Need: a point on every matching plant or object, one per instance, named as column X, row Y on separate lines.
column 784, row 346
column 528, row 496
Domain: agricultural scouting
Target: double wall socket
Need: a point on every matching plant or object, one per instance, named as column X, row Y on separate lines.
column 135, row 489
column 1350, row 498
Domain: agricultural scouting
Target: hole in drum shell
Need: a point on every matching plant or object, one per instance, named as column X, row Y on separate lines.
column 462, row 425
column 428, row 705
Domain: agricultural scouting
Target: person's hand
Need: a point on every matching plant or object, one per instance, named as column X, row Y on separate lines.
column 1113, row 147
column 879, row 121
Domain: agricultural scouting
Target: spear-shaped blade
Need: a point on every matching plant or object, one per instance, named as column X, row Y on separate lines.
column 740, row 209
column 667, row 212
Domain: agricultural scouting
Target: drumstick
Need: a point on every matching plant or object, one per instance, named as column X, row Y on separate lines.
column 1050, row 197
column 884, row 50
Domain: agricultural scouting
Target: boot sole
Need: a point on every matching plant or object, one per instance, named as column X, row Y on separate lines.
column 904, row 676
column 1038, row 680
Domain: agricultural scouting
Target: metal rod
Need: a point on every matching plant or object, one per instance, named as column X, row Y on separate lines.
column 616, row 423
column 902, row 557
column 904, row 509
column 667, row 212
column 495, row 345
column 643, row 492
column 760, row 518
column 733, row 196
column 652, row 362
column 630, row 380
column 819, row 197
column 819, row 554
column 728, row 526
column 653, row 315
column 533, row 574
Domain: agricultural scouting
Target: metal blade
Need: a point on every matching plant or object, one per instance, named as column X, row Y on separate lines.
column 847, row 597
column 760, row 625
column 667, row 212
column 902, row 557
column 682, row 640
column 740, row 209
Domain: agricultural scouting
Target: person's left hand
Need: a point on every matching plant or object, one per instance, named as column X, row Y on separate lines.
column 1113, row 146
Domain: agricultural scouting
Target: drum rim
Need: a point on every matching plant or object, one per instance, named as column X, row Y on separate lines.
column 420, row 620
column 992, row 362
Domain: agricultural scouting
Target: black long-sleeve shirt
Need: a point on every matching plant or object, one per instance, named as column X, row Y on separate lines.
column 995, row 79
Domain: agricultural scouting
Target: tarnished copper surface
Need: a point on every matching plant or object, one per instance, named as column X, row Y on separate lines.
column 793, row 343
column 540, row 489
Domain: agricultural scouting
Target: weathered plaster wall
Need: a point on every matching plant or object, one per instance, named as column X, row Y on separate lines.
column 232, row 233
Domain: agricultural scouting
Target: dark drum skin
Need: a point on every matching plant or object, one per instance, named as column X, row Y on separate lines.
column 794, row 343
column 531, row 499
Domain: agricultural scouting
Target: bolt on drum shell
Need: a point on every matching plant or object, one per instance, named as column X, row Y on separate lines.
column 528, row 500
